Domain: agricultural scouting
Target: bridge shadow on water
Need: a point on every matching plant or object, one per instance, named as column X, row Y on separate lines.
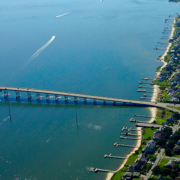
column 62, row 103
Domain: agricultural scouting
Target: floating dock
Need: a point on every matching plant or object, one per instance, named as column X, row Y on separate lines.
column 130, row 138
column 116, row 144
column 93, row 169
column 116, row 157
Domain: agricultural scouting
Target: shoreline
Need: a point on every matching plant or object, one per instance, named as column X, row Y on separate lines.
column 152, row 110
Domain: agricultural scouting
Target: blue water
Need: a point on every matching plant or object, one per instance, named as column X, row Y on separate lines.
column 100, row 48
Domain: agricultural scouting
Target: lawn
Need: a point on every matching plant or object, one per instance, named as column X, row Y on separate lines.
column 162, row 162
column 118, row 175
column 148, row 133
column 178, row 108
column 131, row 159
column 160, row 121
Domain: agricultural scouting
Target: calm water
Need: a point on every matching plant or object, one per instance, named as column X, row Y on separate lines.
column 100, row 48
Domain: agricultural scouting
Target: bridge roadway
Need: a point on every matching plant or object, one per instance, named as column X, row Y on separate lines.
column 85, row 96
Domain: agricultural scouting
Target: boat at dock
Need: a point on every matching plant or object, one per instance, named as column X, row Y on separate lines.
column 132, row 120
column 141, row 90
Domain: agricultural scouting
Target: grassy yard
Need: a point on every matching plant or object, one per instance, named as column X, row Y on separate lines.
column 178, row 108
column 148, row 132
column 160, row 121
column 118, row 175
column 131, row 159
column 162, row 162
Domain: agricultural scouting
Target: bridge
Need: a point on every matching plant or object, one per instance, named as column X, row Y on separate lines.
column 83, row 97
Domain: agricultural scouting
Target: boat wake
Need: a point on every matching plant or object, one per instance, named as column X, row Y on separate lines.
column 62, row 15
column 33, row 56
column 37, row 52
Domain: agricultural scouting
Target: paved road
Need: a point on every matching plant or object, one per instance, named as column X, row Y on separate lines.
column 159, row 156
column 176, row 158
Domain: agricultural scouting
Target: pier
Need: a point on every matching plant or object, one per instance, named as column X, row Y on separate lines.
column 148, row 125
column 145, row 87
column 129, row 134
column 146, row 79
column 121, row 137
column 135, row 115
column 144, row 82
column 93, row 169
column 116, row 157
column 123, row 145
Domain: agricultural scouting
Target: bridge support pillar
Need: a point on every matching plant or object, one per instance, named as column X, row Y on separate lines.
column 104, row 102
column 75, row 99
column 5, row 93
column 29, row 95
column 66, row 98
column 56, row 97
column 38, row 96
column 17, row 95
column 47, row 97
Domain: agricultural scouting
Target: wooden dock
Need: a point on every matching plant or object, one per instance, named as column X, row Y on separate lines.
column 148, row 125
column 135, row 115
column 116, row 144
column 130, row 138
column 116, row 157
column 129, row 134
column 93, row 169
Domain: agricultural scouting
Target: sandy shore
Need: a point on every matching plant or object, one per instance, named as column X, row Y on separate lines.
column 153, row 110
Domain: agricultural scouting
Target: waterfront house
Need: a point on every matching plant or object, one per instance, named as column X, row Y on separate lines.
column 157, row 137
column 178, row 23
column 140, row 161
column 178, row 142
column 130, row 175
column 158, row 132
column 171, row 163
column 170, row 119
column 127, row 175
column 150, row 147
column 176, row 149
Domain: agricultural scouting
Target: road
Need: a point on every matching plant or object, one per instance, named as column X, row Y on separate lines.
column 159, row 156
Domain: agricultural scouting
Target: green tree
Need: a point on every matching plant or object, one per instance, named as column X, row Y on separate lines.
column 168, row 152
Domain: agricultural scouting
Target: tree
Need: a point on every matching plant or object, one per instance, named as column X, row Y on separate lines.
column 161, row 141
column 176, row 115
column 156, row 170
column 168, row 152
